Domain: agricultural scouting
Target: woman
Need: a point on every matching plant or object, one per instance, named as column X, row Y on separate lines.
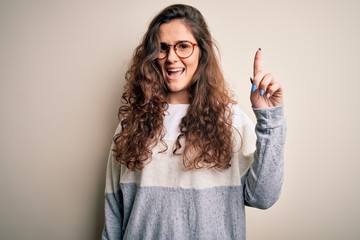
column 185, row 159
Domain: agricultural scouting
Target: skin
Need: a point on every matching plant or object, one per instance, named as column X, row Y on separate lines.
column 177, row 83
column 273, row 91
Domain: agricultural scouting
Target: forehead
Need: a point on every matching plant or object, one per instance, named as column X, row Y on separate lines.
column 175, row 30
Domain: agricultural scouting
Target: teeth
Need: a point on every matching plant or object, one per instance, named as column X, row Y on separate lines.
column 175, row 69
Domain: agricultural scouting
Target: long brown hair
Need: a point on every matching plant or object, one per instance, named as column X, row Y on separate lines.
column 206, row 128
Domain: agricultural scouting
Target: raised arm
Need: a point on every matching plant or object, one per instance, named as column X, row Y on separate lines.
column 263, row 182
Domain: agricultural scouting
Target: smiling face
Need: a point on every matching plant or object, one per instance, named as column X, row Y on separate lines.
column 177, row 72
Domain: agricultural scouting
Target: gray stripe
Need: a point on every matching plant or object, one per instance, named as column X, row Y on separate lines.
column 172, row 213
column 113, row 216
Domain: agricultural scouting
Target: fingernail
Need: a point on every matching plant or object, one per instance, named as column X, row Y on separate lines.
column 262, row 92
column 251, row 80
column 268, row 95
column 253, row 88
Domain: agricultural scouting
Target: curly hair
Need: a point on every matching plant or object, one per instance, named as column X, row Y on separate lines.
column 206, row 127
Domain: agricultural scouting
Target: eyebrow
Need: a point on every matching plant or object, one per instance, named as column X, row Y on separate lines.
column 176, row 42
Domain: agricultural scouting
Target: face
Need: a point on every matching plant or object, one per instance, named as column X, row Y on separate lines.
column 176, row 71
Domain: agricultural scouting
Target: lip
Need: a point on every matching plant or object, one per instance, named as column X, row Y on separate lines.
column 173, row 73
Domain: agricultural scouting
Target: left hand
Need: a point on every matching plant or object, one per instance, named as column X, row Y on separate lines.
column 266, row 90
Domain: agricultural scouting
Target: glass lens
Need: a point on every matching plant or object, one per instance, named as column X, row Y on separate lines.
column 184, row 49
column 164, row 48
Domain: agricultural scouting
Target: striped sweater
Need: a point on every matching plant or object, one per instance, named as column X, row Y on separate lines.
column 165, row 201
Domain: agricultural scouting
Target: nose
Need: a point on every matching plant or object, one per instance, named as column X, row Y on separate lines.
column 172, row 57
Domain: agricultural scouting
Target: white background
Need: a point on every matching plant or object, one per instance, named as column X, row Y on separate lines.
column 62, row 66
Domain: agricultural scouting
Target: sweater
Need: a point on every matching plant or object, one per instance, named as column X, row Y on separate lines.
column 166, row 201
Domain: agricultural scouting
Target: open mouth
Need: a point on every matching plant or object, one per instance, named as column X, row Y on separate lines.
column 173, row 72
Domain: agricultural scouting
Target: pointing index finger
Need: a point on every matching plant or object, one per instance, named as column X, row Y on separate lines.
column 257, row 61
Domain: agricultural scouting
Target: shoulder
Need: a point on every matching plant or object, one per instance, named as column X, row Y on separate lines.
column 118, row 128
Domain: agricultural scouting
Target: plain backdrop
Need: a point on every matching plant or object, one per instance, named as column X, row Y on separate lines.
column 62, row 66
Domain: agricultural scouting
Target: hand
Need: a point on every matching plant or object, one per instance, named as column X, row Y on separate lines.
column 266, row 91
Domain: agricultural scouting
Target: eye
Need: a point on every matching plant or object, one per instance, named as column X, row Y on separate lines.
column 164, row 47
column 183, row 45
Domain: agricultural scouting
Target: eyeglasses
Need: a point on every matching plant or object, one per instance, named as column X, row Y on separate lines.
column 183, row 49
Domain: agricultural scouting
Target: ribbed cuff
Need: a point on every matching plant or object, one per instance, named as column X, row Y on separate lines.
column 270, row 117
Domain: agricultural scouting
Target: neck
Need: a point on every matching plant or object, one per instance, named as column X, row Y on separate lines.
column 178, row 97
